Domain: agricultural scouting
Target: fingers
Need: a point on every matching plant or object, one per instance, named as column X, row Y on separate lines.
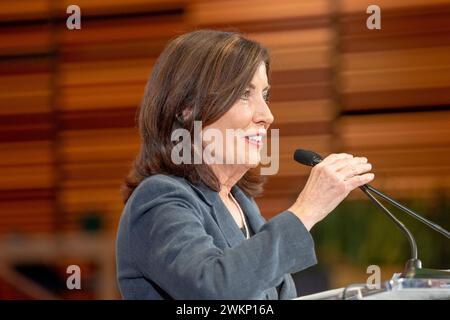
column 353, row 167
column 329, row 183
column 332, row 158
column 349, row 169
column 354, row 161
column 359, row 180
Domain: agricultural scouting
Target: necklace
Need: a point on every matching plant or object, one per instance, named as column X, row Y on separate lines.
column 247, row 233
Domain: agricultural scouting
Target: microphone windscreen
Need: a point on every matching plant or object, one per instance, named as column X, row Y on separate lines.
column 306, row 157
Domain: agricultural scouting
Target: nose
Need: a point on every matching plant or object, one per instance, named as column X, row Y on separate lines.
column 263, row 115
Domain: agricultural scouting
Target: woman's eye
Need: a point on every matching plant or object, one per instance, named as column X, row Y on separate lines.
column 246, row 95
column 266, row 96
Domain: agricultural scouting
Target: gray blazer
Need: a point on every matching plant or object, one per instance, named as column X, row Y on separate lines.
column 177, row 240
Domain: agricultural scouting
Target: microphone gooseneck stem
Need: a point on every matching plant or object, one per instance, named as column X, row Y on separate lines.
column 398, row 223
column 427, row 222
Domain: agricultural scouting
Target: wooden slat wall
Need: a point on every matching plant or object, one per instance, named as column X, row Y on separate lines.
column 25, row 10
column 67, row 106
column 395, row 85
column 27, row 193
column 68, row 98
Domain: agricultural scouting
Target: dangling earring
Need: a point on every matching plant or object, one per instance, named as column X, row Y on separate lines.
column 179, row 118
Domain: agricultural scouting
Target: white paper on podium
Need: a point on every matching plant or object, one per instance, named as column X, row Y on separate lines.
column 395, row 289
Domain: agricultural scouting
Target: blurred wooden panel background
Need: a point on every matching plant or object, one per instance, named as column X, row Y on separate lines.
column 395, row 93
column 68, row 99
column 27, row 127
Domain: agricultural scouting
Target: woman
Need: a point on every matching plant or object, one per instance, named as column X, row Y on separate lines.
column 192, row 230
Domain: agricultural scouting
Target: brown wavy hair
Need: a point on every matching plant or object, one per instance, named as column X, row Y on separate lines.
column 203, row 72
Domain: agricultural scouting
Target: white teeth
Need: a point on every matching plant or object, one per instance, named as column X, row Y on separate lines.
column 255, row 138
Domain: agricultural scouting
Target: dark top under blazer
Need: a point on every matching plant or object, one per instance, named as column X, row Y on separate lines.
column 177, row 240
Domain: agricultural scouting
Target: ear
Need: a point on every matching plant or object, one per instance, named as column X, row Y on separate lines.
column 184, row 115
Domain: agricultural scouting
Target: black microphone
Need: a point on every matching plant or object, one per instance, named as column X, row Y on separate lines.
column 413, row 265
column 306, row 157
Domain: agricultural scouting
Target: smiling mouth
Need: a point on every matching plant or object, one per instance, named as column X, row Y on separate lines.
column 254, row 140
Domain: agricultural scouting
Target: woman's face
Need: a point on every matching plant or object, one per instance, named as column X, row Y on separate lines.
column 242, row 127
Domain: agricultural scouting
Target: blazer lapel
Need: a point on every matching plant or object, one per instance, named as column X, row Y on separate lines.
column 221, row 215
column 224, row 219
column 250, row 209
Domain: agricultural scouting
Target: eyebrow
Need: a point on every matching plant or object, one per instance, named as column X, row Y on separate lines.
column 252, row 86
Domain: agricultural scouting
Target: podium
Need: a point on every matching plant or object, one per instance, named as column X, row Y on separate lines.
column 398, row 288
